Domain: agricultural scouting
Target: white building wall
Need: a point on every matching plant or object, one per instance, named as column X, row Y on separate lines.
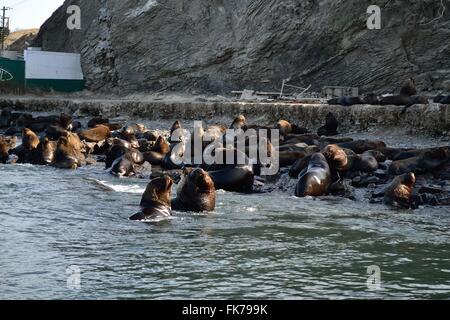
column 52, row 65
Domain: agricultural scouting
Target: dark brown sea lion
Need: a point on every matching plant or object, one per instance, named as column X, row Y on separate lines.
column 372, row 99
column 361, row 146
column 424, row 163
column 237, row 179
column 315, row 179
column 411, row 154
column 409, row 88
column 65, row 122
column 346, row 101
column 399, row 192
column 197, row 192
column 365, row 162
column 330, row 127
column 392, row 153
column 97, row 134
column 55, row 132
column 46, row 151
column 415, row 100
column 157, row 153
column 123, row 166
column 131, row 138
column 442, row 99
column 5, row 118
column 156, row 200
column 396, row 100
column 96, row 121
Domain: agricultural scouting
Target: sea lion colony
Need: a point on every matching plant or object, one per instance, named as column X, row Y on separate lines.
column 320, row 163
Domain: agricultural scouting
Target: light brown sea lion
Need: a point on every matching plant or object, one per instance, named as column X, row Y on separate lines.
column 399, row 192
column 197, row 192
column 336, row 158
column 156, row 200
column 46, row 151
column 69, row 153
column 29, row 139
column 97, row 134
column 4, row 150
column 240, row 122
column 315, row 179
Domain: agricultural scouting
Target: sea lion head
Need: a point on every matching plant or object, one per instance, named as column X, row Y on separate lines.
column 159, row 190
column 285, row 127
column 201, row 180
column 65, row 121
column 409, row 179
column 239, row 123
column 48, row 150
column 336, row 157
column 29, row 139
column 161, row 146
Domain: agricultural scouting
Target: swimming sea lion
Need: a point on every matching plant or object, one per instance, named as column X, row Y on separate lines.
column 156, row 200
column 197, row 192
column 315, row 179
column 399, row 192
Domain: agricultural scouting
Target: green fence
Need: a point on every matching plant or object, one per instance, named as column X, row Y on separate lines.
column 12, row 73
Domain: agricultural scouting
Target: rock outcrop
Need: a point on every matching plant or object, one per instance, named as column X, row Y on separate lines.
column 216, row 46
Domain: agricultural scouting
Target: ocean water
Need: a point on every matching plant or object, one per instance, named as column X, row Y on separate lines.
column 267, row 246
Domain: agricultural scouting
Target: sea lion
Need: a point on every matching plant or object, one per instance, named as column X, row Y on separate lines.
column 315, row 179
column 46, row 151
column 337, row 158
column 372, row 99
column 131, row 138
column 424, row 163
column 392, row 153
column 413, row 101
column 240, row 122
column 287, row 128
column 97, row 134
column 123, row 166
column 346, row 101
column 365, row 162
column 361, row 146
column 96, row 121
column 157, row 153
column 156, row 200
column 197, row 192
column 65, row 122
column 409, row 88
column 330, row 127
column 30, row 140
column 399, row 192
column 5, row 118
column 69, row 153
column 237, row 179
column 4, row 150
column 442, row 99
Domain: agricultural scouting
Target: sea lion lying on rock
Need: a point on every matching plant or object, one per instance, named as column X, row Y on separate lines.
column 315, row 179
column 361, row 146
column 156, row 200
column 157, row 153
column 97, row 134
column 69, row 153
column 124, row 166
column 237, row 179
column 399, row 192
column 424, row 163
column 197, row 192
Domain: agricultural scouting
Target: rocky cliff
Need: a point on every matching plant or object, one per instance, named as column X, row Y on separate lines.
column 216, row 46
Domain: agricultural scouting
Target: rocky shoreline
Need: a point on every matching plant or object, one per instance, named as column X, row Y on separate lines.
column 430, row 120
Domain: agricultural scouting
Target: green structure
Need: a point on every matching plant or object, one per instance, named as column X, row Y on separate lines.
column 12, row 73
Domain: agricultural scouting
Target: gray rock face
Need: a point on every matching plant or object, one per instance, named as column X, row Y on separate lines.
column 216, row 46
